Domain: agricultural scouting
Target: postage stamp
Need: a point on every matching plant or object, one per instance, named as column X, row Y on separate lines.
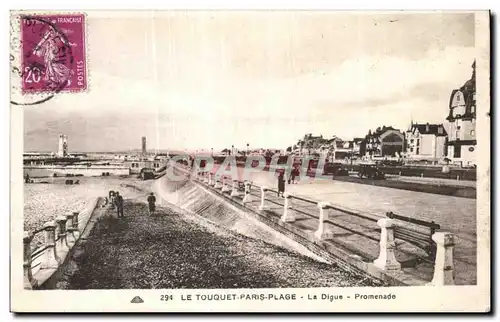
column 53, row 53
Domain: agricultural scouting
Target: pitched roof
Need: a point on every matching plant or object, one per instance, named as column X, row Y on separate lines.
column 381, row 130
column 431, row 129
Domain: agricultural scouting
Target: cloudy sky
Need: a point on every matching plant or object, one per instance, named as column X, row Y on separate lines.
column 193, row 80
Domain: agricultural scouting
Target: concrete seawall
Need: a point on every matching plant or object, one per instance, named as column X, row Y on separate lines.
column 189, row 196
column 221, row 210
column 352, row 241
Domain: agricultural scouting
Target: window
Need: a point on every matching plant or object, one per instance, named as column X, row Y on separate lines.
column 411, row 149
column 411, row 140
column 418, row 144
column 458, row 127
column 456, row 151
column 418, row 150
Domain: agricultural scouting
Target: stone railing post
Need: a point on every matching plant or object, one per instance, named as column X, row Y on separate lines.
column 444, row 273
column 247, row 197
column 263, row 205
column 225, row 186
column 288, row 212
column 76, row 229
column 51, row 258
column 386, row 259
column 206, row 178
column 112, row 202
column 234, row 191
column 29, row 282
column 323, row 231
column 218, row 183
column 211, row 181
column 62, row 241
column 70, row 228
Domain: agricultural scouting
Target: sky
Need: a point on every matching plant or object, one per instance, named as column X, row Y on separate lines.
column 202, row 80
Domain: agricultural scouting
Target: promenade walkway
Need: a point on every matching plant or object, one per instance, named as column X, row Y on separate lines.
column 174, row 249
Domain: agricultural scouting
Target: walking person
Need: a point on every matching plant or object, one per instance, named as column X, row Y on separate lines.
column 281, row 184
column 151, row 203
column 112, row 199
column 119, row 204
column 294, row 174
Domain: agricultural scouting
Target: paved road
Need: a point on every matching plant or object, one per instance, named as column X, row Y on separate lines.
column 438, row 181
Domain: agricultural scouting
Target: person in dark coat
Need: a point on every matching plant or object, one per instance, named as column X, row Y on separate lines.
column 281, row 184
column 119, row 204
column 294, row 174
column 151, row 203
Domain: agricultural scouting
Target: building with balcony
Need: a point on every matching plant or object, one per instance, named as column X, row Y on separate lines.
column 461, row 126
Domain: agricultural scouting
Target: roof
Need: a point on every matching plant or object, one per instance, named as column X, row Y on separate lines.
column 381, row 130
column 432, row 129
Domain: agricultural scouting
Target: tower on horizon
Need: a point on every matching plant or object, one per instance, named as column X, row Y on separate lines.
column 62, row 150
column 144, row 150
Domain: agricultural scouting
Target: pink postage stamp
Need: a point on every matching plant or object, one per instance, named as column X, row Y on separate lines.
column 53, row 53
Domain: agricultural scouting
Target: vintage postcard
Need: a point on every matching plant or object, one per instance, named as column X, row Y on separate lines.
column 250, row 161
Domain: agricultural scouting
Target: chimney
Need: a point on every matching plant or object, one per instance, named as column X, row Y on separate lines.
column 144, row 145
column 427, row 127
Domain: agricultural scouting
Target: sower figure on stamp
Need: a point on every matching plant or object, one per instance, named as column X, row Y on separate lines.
column 151, row 203
column 119, row 204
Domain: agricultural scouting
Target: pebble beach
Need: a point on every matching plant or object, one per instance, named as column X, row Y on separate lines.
column 45, row 201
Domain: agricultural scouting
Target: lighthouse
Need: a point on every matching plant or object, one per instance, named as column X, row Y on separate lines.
column 62, row 150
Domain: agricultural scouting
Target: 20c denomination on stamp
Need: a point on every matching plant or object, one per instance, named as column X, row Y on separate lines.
column 53, row 53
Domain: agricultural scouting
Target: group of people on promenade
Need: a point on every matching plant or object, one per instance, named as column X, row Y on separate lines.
column 116, row 201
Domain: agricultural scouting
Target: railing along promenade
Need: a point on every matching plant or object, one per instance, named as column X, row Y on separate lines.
column 60, row 235
column 386, row 231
